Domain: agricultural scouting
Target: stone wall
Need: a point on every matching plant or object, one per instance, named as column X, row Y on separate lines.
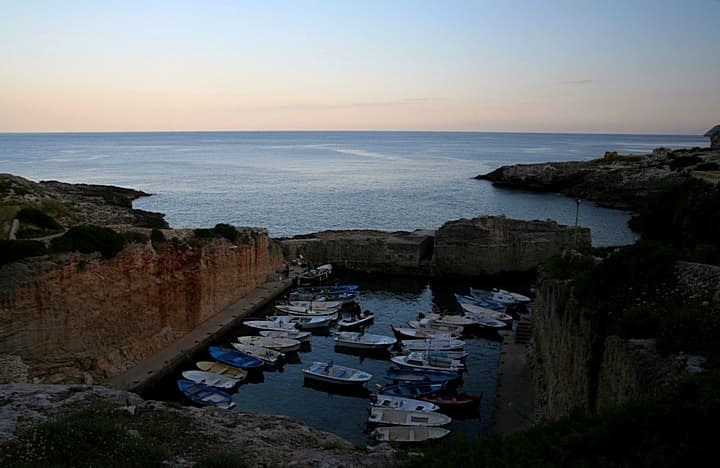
column 79, row 318
column 577, row 365
column 366, row 250
column 494, row 244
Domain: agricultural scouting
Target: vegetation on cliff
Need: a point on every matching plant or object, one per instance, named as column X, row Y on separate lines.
column 88, row 239
column 675, row 430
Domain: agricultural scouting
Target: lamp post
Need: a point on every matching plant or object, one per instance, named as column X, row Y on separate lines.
column 577, row 215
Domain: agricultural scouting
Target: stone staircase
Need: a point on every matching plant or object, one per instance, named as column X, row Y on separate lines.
column 523, row 330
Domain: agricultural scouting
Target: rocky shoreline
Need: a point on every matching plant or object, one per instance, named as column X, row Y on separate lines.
column 615, row 181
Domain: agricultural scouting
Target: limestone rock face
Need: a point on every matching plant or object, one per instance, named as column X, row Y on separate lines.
column 365, row 250
column 714, row 135
column 494, row 244
column 615, row 181
column 78, row 318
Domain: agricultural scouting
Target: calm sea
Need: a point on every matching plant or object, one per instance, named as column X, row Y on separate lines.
column 301, row 182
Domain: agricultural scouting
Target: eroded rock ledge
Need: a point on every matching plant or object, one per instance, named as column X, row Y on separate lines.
column 615, row 181
column 256, row 439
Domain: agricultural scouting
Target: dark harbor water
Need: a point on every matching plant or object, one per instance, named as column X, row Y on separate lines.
column 394, row 301
column 302, row 182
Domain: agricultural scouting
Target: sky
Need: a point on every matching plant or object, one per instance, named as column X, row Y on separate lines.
column 605, row 66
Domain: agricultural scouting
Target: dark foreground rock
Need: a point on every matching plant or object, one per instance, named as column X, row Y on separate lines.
column 615, row 181
column 248, row 438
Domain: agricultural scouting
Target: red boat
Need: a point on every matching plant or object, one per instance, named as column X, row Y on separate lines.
column 453, row 401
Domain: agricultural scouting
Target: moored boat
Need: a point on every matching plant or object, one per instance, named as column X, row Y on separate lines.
column 398, row 402
column 482, row 302
column 269, row 357
column 409, row 390
column 235, row 358
column 434, row 344
column 402, row 417
column 271, row 325
column 302, row 311
column 473, row 310
column 365, row 318
column 429, row 361
column 499, row 295
column 210, row 378
column 453, row 401
column 303, row 323
column 425, row 324
column 222, row 369
column 449, row 320
column 205, row 394
column 407, row 333
column 359, row 340
column 420, row 375
column 408, row 434
column 297, row 335
column 284, row 345
column 329, row 372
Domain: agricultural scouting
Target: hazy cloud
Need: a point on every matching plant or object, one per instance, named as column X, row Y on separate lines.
column 349, row 105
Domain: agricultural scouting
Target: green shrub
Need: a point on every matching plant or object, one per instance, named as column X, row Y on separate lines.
column 13, row 250
column 203, row 233
column 227, row 231
column 37, row 218
column 89, row 238
column 131, row 237
column 157, row 236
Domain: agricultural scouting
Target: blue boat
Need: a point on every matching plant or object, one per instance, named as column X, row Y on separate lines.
column 420, row 376
column 410, row 390
column 205, row 394
column 235, row 358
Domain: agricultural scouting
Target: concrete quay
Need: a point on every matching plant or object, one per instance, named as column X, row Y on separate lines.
column 514, row 398
column 151, row 370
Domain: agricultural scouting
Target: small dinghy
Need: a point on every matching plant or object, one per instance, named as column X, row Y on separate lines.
column 210, row 378
column 449, row 320
column 365, row 318
column 479, row 311
column 331, row 373
column 420, row 375
column 396, row 402
column 407, row 434
column 402, row 333
column 428, row 361
column 269, row 357
column 283, row 345
column 499, row 295
column 410, row 390
column 204, row 394
column 297, row 335
column 304, row 323
column 235, row 358
column 425, row 324
column 301, row 311
column 315, row 275
column 401, row 417
column 480, row 301
column 435, row 344
column 453, row 401
column 222, row 369
column 359, row 340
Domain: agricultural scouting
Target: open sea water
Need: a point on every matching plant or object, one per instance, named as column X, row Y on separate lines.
column 302, row 182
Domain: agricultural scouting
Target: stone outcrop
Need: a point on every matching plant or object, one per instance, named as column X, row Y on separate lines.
column 79, row 318
column 366, row 250
column 614, row 181
column 254, row 439
column 490, row 245
column 714, row 135
column 72, row 204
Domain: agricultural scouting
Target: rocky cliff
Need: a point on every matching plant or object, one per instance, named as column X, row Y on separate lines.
column 481, row 246
column 576, row 364
column 489, row 245
column 616, row 181
column 77, row 317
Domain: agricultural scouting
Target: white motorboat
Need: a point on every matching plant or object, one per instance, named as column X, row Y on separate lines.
column 476, row 310
column 408, row 434
column 449, row 320
column 500, row 295
column 331, row 373
column 273, row 325
column 269, row 356
column 407, row 333
column 403, row 417
column 210, row 378
column 299, row 335
column 428, row 360
column 303, row 323
column 397, row 402
column 283, row 345
column 302, row 311
column 359, row 340
column 434, row 344
column 427, row 324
